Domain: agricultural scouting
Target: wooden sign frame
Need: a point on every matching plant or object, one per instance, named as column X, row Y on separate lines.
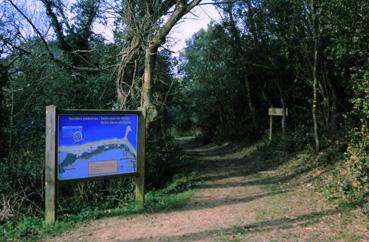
column 282, row 112
column 51, row 179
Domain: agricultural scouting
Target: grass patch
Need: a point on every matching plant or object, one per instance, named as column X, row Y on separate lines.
column 270, row 213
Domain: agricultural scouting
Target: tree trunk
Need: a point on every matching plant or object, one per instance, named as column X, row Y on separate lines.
column 315, row 77
column 125, row 82
column 249, row 101
column 315, row 81
column 3, row 82
column 283, row 117
column 333, row 108
column 148, row 109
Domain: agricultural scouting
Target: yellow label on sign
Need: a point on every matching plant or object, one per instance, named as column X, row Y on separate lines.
column 102, row 167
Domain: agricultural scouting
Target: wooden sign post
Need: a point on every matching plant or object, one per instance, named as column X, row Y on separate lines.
column 276, row 112
column 50, row 163
column 140, row 176
column 88, row 145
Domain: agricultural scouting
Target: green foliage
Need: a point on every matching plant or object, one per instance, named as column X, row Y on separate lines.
column 351, row 184
column 207, row 58
column 28, row 227
column 300, row 139
column 36, row 83
column 39, row 82
column 361, row 90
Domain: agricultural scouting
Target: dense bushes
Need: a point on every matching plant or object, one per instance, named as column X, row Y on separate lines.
column 349, row 183
column 38, row 82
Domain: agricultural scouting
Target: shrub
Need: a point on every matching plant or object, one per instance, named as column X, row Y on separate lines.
column 352, row 183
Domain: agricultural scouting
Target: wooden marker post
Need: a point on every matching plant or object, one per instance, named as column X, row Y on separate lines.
column 50, row 162
column 270, row 127
column 140, row 176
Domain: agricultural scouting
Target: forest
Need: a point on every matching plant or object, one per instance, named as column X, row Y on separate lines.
column 310, row 56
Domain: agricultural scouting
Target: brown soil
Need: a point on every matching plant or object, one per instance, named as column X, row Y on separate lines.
column 239, row 199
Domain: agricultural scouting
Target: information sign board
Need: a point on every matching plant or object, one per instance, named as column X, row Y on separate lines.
column 83, row 145
column 277, row 111
column 96, row 144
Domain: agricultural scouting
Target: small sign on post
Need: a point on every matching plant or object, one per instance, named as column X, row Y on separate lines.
column 276, row 112
column 86, row 145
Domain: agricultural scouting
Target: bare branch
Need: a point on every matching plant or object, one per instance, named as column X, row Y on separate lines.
column 181, row 9
column 14, row 46
column 34, row 28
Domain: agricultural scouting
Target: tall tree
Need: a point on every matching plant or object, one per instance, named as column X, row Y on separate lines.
column 147, row 25
column 312, row 10
column 240, row 53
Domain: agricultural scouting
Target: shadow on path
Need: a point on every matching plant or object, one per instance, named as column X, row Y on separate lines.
column 262, row 181
column 231, row 201
column 281, row 223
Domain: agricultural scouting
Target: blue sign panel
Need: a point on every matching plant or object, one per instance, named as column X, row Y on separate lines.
column 93, row 145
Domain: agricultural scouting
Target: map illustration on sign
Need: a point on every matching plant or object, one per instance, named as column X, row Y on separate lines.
column 93, row 145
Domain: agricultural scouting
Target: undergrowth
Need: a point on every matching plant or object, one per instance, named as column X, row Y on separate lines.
column 174, row 195
column 341, row 168
column 348, row 183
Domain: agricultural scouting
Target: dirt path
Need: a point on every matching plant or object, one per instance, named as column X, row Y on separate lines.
column 239, row 199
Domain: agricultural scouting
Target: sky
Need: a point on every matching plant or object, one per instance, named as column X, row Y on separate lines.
column 194, row 21
column 198, row 19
